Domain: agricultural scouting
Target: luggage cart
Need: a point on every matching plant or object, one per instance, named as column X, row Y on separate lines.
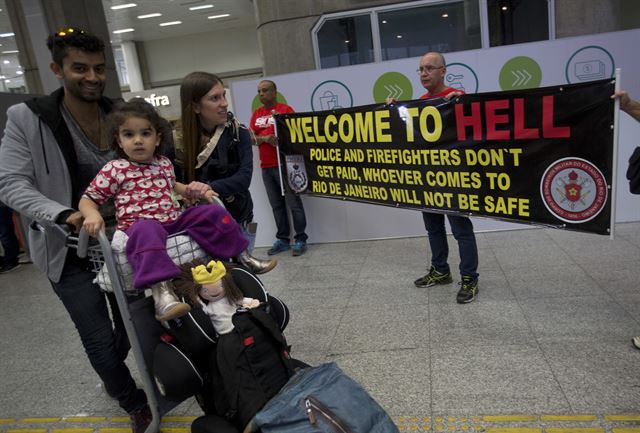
column 138, row 316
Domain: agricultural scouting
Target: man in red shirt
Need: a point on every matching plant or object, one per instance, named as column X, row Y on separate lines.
column 432, row 70
column 262, row 125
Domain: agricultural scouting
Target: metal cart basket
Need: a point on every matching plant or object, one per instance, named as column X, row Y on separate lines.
column 138, row 315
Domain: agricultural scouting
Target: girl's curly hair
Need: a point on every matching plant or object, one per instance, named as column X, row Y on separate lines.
column 136, row 107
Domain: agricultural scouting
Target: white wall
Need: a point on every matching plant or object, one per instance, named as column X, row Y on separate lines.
column 332, row 220
column 215, row 52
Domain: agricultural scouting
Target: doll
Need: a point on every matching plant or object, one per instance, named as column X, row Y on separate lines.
column 213, row 289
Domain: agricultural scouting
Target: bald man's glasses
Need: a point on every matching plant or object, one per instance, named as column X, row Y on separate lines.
column 429, row 69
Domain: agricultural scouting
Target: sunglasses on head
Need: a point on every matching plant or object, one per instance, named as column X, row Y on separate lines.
column 68, row 32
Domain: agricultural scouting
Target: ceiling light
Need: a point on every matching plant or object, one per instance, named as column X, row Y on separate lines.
column 399, row 36
column 7, row 81
column 19, row 72
column 7, row 35
column 195, row 8
column 123, row 6
column 141, row 17
column 117, row 32
column 10, row 52
column 213, row 17
column 6, row 62
column 170, row 23
column 346, row 41
column 384, row 21
column 445, row 15
column 504, row 8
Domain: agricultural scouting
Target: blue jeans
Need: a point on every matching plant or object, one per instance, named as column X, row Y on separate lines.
column 105, row 346
column 251, row 237
column 279, row 204
column 462, row 229
column 8, row 237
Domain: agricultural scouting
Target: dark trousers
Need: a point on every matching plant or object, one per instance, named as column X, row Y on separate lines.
column 8, row 237
column 105, row 346
column 279, row 204
column 462, row 229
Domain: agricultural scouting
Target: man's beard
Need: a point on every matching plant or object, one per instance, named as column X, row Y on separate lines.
column 79, row 92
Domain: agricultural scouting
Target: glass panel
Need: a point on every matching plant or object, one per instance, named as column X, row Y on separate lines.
column 517, row 21
column 11, row 73
column 630, row 15
column 345, row 41
column 445, row 27
column 121, row 67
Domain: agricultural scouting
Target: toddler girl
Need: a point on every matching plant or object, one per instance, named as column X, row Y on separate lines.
column 144, row 187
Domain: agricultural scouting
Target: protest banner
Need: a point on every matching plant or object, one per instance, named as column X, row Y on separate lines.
column 541, row 156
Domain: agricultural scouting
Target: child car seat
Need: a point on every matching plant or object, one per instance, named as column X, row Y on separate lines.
column 181, row 357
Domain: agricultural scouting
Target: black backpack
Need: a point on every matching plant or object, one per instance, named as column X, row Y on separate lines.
column 253, row 363
column 633, row 172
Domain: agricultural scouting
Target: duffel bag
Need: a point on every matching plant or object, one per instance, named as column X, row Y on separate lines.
column 322, row 400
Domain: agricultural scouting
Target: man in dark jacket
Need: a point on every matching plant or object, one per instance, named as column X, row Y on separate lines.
column 50, row 151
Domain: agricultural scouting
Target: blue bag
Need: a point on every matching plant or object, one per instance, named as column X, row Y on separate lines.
column 322, row 400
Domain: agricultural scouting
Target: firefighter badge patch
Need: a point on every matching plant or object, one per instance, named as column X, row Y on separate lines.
column 573, row 190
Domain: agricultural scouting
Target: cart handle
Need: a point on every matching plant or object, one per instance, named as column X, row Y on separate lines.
column 78, row 241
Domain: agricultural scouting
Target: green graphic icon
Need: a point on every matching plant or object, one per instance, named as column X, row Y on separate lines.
column 521, row 72
column 255, row 104
column 392, row 85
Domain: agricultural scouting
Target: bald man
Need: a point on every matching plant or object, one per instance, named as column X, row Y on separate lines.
column 432, row 70
column 263, row 126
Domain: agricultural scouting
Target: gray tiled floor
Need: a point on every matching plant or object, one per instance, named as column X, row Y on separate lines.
column 549, row 334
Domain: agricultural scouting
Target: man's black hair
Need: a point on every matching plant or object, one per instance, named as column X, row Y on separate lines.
column 61, row 41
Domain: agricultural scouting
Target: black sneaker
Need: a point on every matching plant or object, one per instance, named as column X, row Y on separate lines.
column 8, row 268
column 141, row 419
column 468, row 291
column 433, row 277
column 24, row 259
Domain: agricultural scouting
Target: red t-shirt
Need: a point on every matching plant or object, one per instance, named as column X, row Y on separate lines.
column 262, row 123
column 442, row 94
